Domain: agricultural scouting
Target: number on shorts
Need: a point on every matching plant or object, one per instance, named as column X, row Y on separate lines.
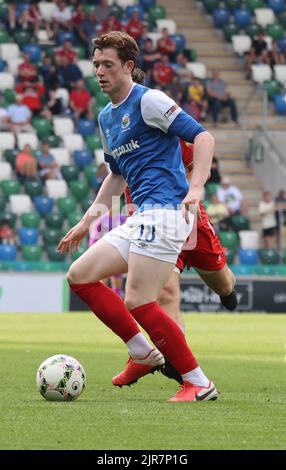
column 147, row 233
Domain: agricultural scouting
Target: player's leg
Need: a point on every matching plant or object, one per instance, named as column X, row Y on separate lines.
column 169, row 299
column 222, row 282
column 102, row 260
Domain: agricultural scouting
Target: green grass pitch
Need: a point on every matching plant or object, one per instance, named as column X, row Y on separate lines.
column 243, row 354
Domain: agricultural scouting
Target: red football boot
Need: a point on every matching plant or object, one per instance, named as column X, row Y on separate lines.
column 138, row 367
column 190, row 392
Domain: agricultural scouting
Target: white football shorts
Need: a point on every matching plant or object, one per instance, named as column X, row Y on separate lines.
column 157, row 233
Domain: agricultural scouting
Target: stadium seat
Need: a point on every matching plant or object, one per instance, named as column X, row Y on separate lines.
column 62, row 156
column 266, row 270
column 20, row 203
column 230, row 256
column 56, row 188
column 42, row 37
column 66, row 205
column 134, row 8
column 210, row 5
column 8, row 252
column 43, row 127
column 211, row 188
column 10, row 187
column 3, row 65
column 155, row 37
column 92, row 85
column 89, row 171
column 5, row 171
column 220, row 16
column 22, row 37
column 86, row 202
column 249, row 239
column 282, row 18
column 7, row 80
column 93, row 142
column 83, row 158
column 47, row 9
column 4, row 37
column 74, row 218
column 96, row 110
column 228, row 239
column 261, row 73
column 54, row 254
column 280, row 73
column 63, row 94
column 230, row 30
column 156, row 13
column 24, row 138
column 9, row 96
column 34, row 188
column 79, row 189
column 53, row 140
column 54, row 220
column 264, row 16
column 32, row 252
column 241, row 43
column 233, row 4
column 80, row 52
column 13, row 65
column 34, row 51
column 276, row 5
column 9, row 51
column 280, row 104
column 30, row 220
column 180, row 41
column 43, row 204
column 275, row 30
column 73, row 142
column 3, row 202
column 63, row 126
column 269, row 256
column 102, row 99
column 242, row 17
column 8, row 218
column 272, row 87
column 99, row 156
column 125, row 3
column 167, row 23
column 86, row 127
column 28, row 236
column 248, row 256
column 7, row 140
column 198, row 69
column 70, row 172
column 76, row 254
column 239, row 222
column 86, row 67
column 254, row 4
column 253, row 30
column 52, row 236
column 63, row 36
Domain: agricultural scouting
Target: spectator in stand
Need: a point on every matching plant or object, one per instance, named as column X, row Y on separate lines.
column 49, row 73
column 48, row 167
column 68, row 51
column 19, row 116
column 258, row 53
column 7, row 236
column 103, row 10
column 219, row 96
column 134, row 27
column 53, row 106
column 269, row 224
column 218, row 213
column 26, row 70
column 175, row 89
column 32, row 95
column 26, row 164
column 32, row 20
column 4, row 119
column 163, row 71
column 214, row 172
column 78, row 16
column 88, row 30
column 231, row 196
column 166, row 45
column 11, row 10
column 68, row 73
column 185, row 75
column 150, row 56
column 280, row 201
column 191, row 107
column 111, row 24
column 197, row 94
column 62, row 17
column 81, row 102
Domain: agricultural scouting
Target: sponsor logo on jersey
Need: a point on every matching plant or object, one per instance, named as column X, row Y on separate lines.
column 132, row 145
column 171, row 111
column 125, row 123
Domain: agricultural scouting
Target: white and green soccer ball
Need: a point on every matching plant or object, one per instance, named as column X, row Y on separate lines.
column 61, row 378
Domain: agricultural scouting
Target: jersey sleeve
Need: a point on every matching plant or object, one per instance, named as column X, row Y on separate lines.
column 185, row 127
column 158, row 109
column 108, row 154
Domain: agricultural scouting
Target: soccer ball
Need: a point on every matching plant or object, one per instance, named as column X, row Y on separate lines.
column 60, row 378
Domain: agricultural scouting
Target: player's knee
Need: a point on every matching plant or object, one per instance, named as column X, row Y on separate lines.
column 168, row 296
column 72, row 275
column 226, row 288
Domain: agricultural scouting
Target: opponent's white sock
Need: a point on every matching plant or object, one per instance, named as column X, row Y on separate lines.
column 138, row 346
column 196, row 377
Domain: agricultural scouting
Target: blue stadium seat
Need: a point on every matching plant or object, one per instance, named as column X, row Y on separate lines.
column 280, row 104
column 221, row 16
column 147, row 3
column 63, row 36
column 3, row 65
column 276, row 5
column 242, row 17
column 242, row 269
column 180, row 41
column 8, row 252
column 281, row 44
column 86, row 127
column 28, row 236
column 248, row 256
column 20, row 8
column 43, row 204
column 83, row 158
column 34, row 52
column 129, row 10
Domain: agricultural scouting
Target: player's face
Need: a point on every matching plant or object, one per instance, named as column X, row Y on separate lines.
column 110, row 71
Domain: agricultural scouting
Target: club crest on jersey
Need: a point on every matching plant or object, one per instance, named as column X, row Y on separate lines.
column 125, row 123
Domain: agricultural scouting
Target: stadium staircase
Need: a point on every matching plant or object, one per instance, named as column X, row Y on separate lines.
column 212, row 50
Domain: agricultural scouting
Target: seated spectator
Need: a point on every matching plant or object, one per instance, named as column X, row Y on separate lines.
column 87, row 30
column 214, row 172
column 134, row 27
column 68, row 73
column 99, row 177
column 53, row 106
column 197, row 93
column 78, row 15
column 81, row 102
column 150, row 56
column 68, row 51
column 48, row 167
column 258, row 53
column 191, row 107
column 49, row 73
column 269, row 223
column 144, row 37
column 26, row 163
column 32, row 94
column 7, row 236
column 103, row 10
column 62, row 16
column 26, row 70
column 111, row 24
column 174, row 89
column 218, row 213
column 185, row 75
column 231, row 196
column 166, row 45
column 218, row 97
column 19, row 116
column 4, row 119
column 163, row 71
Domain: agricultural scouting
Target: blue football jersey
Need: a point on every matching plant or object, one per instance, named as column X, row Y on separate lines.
column 140, row 139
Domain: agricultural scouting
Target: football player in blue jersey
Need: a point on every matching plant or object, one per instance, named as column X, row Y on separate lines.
column 140, row 130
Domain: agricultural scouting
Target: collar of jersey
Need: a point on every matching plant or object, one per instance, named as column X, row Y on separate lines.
column 121, row 102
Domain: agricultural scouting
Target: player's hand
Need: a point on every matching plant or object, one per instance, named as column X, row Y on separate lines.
column 191, row 203
column 73, row 238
